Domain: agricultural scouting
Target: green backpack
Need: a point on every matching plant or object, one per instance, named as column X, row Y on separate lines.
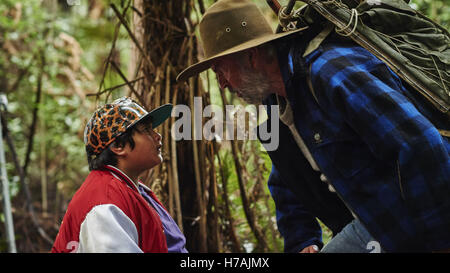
column 413, row 46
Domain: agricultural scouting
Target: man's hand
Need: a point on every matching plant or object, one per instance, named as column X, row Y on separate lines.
column 310, row 249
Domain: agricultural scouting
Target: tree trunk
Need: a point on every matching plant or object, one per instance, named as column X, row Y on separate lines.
column 164, row 33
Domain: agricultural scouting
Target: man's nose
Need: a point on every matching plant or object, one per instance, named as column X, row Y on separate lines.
column 223, row 83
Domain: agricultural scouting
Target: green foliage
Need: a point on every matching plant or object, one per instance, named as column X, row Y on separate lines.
column 63, row 49
column 255, row 176
column 60, row 50
column 437, row 10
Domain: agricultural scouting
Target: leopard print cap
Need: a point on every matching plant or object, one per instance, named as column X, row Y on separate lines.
column 108, row 122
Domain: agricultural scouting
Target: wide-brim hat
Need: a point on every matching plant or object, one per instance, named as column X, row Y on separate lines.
column 231, row 26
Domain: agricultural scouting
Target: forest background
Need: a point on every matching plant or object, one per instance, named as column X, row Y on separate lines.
column 60, row 59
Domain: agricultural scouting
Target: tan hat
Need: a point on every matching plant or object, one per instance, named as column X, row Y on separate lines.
column 230, row 26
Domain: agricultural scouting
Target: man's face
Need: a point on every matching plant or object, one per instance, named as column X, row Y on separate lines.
column 236, row 73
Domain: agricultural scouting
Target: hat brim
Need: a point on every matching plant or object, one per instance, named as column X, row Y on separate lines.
column 158, row 115
column 206, row 63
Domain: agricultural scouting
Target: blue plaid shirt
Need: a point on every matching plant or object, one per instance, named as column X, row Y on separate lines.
column 378, row 144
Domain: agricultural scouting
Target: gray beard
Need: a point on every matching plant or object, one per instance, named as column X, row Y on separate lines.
column 254, row 87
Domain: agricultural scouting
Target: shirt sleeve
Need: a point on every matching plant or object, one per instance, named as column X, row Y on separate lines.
column 361, row 89
column 107, row 229
column 297, row 225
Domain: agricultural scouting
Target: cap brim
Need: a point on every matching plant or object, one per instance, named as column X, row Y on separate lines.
column 159, row 115
column 206, row 63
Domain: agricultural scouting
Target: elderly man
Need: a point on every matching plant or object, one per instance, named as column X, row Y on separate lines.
column 358, row 150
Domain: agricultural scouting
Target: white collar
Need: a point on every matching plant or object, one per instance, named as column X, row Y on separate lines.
column 125, row 175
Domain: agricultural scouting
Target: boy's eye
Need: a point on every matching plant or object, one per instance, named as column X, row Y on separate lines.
column 145, row 129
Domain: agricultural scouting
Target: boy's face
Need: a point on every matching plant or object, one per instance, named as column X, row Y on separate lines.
column 146, row 153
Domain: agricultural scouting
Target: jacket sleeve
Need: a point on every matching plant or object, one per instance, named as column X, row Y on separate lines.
column 107, row 229
column 373, row 102
column 298, row 227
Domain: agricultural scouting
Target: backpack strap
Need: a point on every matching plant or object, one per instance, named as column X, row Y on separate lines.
column 313, row 45
column 309, row 82
column 445, row 133
column 316, row 41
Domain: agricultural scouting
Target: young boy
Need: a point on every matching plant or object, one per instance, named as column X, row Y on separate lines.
column 112, row 211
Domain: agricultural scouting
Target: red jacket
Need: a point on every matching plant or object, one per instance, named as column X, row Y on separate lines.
column 110, row 188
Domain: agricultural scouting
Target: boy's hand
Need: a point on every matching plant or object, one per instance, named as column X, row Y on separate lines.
column 310, row 249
